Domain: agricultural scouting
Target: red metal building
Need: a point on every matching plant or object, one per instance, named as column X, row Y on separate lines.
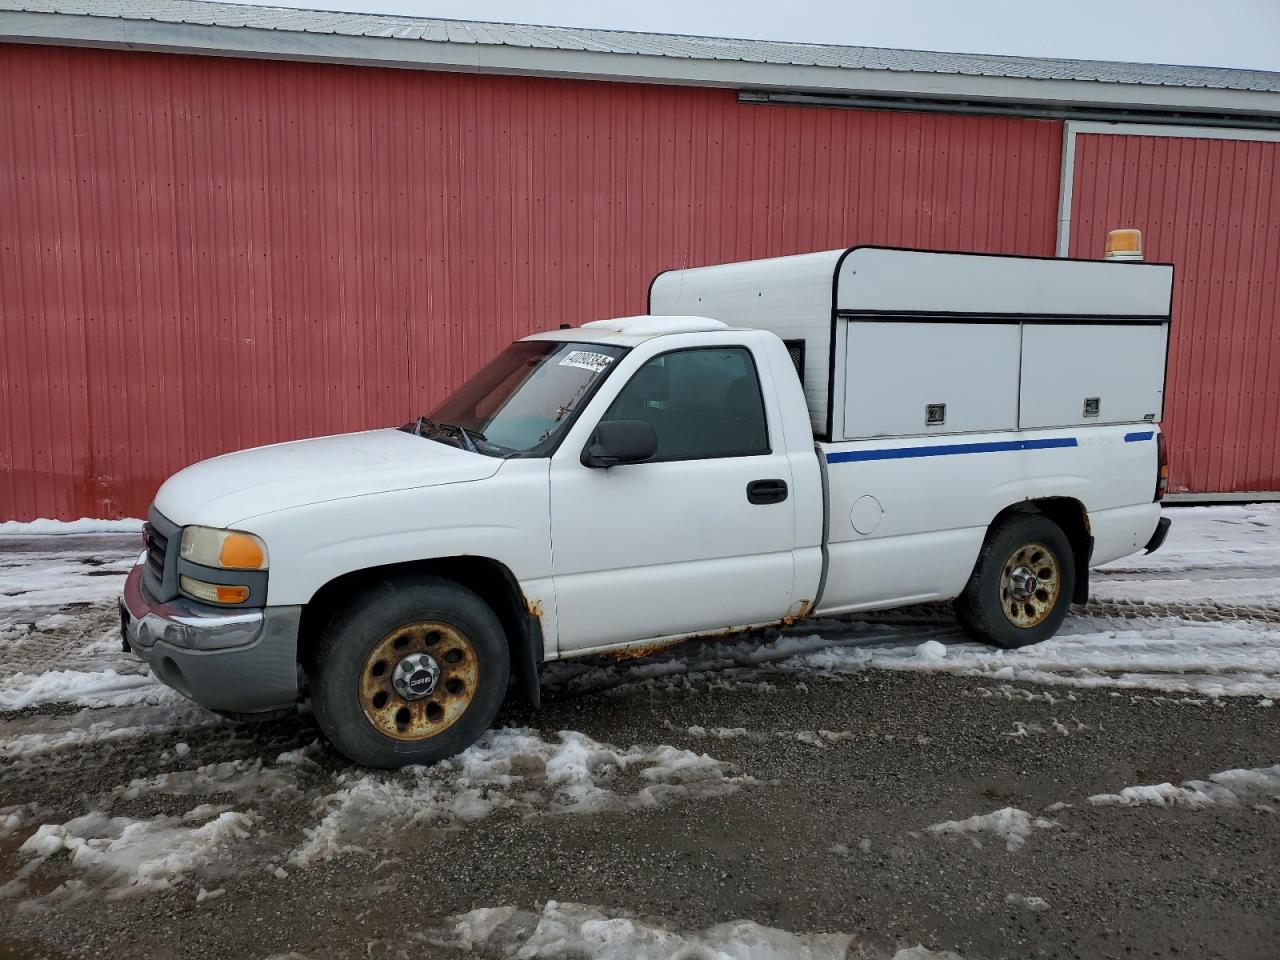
column 255, row 225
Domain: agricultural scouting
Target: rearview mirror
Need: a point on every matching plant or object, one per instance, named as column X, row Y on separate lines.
column 620, row 441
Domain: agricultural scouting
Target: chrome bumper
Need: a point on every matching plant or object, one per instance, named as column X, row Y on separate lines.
column 183, row 623
column 236, row 661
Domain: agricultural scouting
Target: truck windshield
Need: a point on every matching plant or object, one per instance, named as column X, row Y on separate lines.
column 524, row 399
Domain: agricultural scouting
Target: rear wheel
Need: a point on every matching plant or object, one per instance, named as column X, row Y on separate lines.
column 411, row 671
column 1022, row 585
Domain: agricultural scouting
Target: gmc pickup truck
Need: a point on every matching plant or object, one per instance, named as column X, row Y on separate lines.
column 775, row 440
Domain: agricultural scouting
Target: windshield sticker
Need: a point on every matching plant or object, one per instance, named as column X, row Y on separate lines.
column 595, row 362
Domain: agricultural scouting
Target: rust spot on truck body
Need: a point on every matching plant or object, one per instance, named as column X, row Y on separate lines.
column 804, row 611
column 534, row 607
column 642, row 650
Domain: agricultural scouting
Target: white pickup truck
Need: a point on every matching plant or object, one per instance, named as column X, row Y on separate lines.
column 778, row 439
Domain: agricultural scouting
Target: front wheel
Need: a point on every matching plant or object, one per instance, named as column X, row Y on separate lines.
column 1022, row 585
column 411, row 671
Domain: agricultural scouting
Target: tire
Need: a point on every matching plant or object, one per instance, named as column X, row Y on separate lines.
column 373, row 690
column 999, row 605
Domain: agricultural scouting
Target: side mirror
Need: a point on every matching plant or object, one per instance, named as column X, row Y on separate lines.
column 620, row 441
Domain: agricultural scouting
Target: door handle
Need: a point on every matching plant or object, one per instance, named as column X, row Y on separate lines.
column 766, row 491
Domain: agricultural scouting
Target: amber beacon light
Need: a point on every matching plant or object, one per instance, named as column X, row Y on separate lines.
column 1124, row 245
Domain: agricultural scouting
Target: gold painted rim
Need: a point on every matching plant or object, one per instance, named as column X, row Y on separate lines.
column 1029, row 585
column 400, row 718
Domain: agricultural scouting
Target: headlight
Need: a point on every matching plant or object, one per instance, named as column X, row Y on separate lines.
column 226, row 549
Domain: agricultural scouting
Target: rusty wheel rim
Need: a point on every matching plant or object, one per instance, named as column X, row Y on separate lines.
column 1029, row 585
column 411, row 648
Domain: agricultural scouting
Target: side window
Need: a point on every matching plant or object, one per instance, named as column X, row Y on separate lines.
column 702, row 403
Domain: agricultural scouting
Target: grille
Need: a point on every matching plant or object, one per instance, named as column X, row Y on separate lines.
column 157, row 545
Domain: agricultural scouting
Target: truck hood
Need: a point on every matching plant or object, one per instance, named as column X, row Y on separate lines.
column 232, row 488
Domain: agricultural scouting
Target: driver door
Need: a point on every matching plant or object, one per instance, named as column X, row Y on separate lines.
column 674, row 545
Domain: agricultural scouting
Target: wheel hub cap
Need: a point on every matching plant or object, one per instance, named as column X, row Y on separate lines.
column 1022, row 582
column 416, row 676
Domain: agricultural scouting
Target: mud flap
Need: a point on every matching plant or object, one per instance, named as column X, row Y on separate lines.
column 1081, row 592
column 1157, row 538
column 526, row 661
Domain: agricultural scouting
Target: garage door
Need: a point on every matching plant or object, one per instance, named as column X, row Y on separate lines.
column 1207, row 201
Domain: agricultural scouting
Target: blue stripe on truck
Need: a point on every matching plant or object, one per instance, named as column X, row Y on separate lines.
column 950, row 450
column 1140, row 435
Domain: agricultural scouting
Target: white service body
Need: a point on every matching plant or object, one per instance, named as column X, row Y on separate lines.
column 882, row 507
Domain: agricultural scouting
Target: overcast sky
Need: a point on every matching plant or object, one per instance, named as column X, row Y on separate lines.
column 1223, row 33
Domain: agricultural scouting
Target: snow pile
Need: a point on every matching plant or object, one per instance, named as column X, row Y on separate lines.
column 95, row 688
column 243, row 779
column 1030, row 903
column 1011, row 825
column 46, row 527
column 14, row 818
column 89, row 726
column 132, row 856
column 931, row 650
column 1231, row 788
column 574, row 931
column 508, row 769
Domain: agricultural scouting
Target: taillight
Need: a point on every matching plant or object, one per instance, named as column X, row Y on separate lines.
column 1162, row 467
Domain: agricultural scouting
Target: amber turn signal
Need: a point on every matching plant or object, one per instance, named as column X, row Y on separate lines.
column 241, row 552
column 213, row 592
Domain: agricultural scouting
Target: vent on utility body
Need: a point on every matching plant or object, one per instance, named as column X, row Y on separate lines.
column 795, row 348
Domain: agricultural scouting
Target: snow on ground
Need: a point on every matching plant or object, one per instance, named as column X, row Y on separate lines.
column 1218, row 659
column 128, row 855
column 46, row 527
column 575, row 931
column 245, row 780
column 510, row 768
column 119, row 855
column 60, row 632
column 104, row 688
column 39, row 735
column 1011, row 825
column 1259, row 788
column 57, row 577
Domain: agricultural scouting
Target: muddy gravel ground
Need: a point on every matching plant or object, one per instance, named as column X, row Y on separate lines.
column 760, row 789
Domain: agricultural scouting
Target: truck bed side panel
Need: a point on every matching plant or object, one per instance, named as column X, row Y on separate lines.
column 908, row 515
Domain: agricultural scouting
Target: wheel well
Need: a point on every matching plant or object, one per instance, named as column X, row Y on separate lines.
column 490, row 580
column 1072, row 517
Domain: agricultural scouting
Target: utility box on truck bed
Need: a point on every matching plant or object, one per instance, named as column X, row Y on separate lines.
column 893, row 342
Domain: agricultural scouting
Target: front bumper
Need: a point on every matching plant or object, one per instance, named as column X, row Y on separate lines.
column 234, row 660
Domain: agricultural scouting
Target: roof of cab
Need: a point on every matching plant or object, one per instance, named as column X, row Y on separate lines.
column 629, row 331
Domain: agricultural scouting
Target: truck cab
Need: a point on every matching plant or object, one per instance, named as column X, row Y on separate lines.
column 642, row 480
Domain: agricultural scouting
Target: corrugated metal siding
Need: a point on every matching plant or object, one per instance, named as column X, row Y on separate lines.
column 1211, row 207
column 202, row 254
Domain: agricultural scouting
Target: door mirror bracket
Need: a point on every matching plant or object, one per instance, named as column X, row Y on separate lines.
column 615, row 442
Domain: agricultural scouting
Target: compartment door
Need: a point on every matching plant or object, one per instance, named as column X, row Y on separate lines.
column 1069, row 371
column 898, row 372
